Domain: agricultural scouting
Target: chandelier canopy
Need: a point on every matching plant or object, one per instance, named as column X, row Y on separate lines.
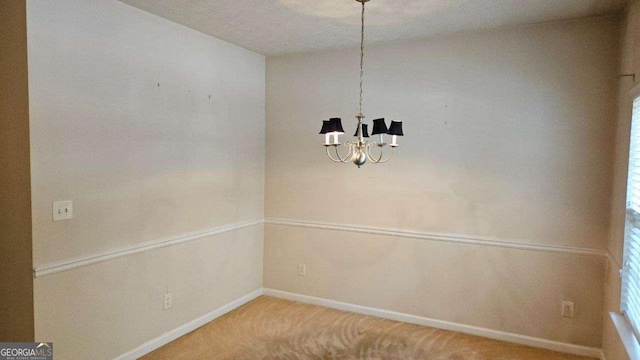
column 359, row 150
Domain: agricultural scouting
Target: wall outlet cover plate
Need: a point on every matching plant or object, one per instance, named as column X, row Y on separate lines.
column 62, row 210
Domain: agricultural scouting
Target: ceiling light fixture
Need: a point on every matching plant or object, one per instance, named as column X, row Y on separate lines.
column 360, row 150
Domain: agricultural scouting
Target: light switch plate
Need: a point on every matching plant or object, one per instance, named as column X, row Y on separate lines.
column 62, row 210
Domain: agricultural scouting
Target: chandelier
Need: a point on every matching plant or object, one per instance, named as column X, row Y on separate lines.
column 360, row 150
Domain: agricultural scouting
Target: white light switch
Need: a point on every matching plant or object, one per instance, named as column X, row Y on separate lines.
column 62, row 210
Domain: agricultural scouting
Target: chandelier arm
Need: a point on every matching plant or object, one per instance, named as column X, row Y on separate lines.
column 338, row 155
column 340, row 159
column 393, row 150
column 379, row 160
column 347, row 158
column 367, row 152
column 371, row 157
column 331, row 157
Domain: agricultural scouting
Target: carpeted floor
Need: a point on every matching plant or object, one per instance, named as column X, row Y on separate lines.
column 270, row 328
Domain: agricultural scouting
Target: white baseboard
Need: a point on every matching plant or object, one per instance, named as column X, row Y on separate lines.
column 168, row 337
column 440, row 324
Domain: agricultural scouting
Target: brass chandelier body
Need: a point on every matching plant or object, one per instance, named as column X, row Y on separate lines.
column 361, row 150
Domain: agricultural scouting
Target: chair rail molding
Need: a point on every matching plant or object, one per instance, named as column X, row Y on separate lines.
column 65, row 265
column 57, row 267
column 462, row 239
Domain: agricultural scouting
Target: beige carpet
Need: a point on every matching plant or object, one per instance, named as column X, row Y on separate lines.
column 270, row 328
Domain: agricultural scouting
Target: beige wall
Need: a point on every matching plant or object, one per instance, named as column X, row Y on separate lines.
column 629, row 64
column 16, row 280
column 509, row 137
column 141, row 162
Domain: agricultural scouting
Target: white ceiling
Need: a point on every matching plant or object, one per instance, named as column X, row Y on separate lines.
column 273, row 27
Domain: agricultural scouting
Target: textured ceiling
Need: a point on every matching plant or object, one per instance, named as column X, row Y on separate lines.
column 283, row 26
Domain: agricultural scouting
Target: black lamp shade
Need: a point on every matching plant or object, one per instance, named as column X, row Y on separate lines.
column 395, row 128
column 379, row 127
column 335, row 125
column 365, row 133
column 325, row 127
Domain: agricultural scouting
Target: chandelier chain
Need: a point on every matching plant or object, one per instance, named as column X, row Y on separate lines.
column 361, row 55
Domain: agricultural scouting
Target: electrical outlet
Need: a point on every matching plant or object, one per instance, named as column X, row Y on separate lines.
column 302, row 269
column 168, row 301
column 62, row 210
column 567, row 309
